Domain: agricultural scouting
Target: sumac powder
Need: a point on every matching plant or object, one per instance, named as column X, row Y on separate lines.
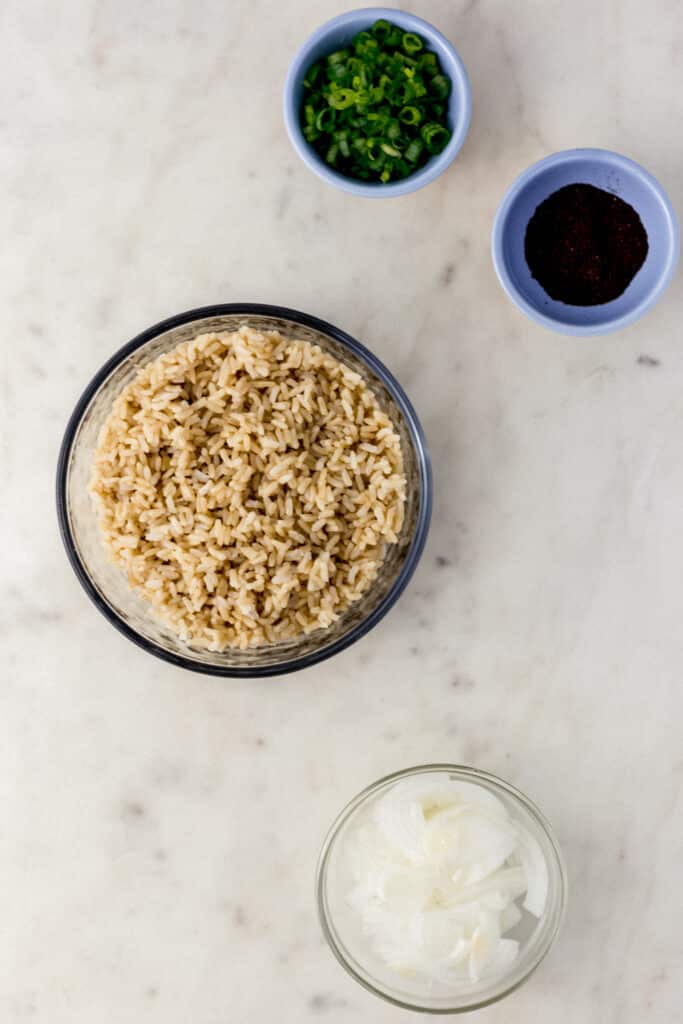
column 584, row 246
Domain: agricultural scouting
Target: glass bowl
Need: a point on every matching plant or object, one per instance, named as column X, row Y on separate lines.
column 106, row 585
column 352, row 949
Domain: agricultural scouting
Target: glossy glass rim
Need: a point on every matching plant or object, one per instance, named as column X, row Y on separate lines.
column 466, row 772
column 414, row 429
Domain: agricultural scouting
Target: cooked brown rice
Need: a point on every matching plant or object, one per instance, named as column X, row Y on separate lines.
column 248, row 485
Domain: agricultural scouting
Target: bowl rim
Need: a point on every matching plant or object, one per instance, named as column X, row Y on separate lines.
column 413, row 426
column 437, row 165
column 498, row 232
column 464, row 772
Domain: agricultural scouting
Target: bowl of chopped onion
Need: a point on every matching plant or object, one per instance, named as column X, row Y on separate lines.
column 441, row 888
column 377, row 102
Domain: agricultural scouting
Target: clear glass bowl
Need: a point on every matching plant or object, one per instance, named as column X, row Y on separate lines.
column 351, row 947
column 106, row 585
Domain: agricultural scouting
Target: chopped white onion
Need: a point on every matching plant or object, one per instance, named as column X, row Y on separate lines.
column 437, row 869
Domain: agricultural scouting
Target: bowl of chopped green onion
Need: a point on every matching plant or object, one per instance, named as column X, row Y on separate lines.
column 377, row 102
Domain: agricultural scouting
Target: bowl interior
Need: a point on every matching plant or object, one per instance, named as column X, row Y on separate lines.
column 616, row 175
column 351, row 946
column 128, row 611
column 338, row 33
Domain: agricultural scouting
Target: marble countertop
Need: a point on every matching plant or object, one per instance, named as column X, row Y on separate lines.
column 160, row 829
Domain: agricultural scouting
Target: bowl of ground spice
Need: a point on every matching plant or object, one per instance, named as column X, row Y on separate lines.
column 585, row 242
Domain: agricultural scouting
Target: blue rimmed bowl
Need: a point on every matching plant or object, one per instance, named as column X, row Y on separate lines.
column 337, row 33
column 106, row 585
column 612, row 173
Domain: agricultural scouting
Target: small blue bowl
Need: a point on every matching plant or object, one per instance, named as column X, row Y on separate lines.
column 337, row 33
column 613, row 173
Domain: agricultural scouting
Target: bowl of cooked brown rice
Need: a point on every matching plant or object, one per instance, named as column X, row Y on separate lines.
column 244, row 490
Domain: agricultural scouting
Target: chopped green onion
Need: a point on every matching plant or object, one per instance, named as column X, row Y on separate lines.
column 413, row 151
column 394, row 130
column 410, row 115
column 365, row 45
column 376, row 109
column 381, row 29
column 394, row 37
column 312, row 75
column 411, row 43
column 342, row 139
column 325, row 120
column 338, row 57
column 435, row 137
column 361, row 39
column 342, row 98
column 429, row 62
column 372, row 150
column 440, row 87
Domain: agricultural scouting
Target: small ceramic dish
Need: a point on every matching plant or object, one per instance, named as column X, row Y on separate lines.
column 337, row 33
column 612, row 173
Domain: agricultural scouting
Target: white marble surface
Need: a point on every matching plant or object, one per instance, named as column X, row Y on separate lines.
column 159, row 830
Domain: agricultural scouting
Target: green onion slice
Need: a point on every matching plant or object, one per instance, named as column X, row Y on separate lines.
column 410, row 115
column 411, row 43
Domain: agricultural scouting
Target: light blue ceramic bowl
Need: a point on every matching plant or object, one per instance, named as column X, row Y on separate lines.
column 337, row 33
column 613, row 173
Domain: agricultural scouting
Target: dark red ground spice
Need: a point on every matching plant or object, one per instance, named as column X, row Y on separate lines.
column 584, row 246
